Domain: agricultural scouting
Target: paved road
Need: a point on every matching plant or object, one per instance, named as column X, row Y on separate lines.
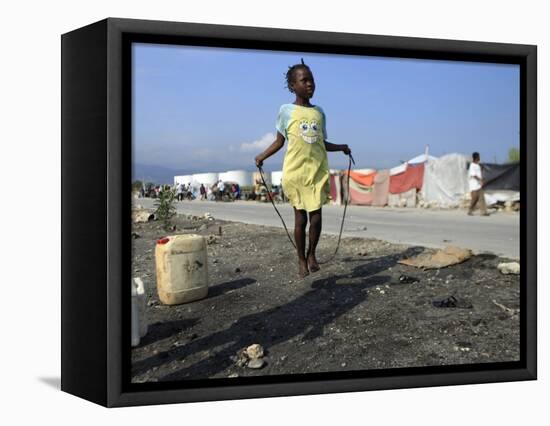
column 498, row 233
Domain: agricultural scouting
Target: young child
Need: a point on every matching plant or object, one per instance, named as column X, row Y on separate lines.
column 305, row 168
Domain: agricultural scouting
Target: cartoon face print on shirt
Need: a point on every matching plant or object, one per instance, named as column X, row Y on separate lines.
column 310, row 131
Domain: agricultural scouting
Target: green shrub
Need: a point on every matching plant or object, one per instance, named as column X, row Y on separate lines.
column 166, row 209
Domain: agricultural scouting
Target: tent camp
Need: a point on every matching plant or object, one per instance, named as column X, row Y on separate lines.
column 441, row 182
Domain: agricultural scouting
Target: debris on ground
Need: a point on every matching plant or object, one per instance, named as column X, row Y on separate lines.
column 256, row 363
column 211, row 239
column 142, row 216
column 509, row 268
column 451, row 302
column 448, row 256
column 506, row 309
column 251, row 357
column 333, row 317
column 405, row 279
column 255, row 351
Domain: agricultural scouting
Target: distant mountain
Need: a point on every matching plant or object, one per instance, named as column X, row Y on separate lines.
column 157, row 174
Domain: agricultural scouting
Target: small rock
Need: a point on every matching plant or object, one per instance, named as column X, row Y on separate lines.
column 256, row 363
column 509, row 268
column 215, row 261
column 135, row 235
column 233, row 375
column 451, row 302
column 382, row 292
column 241, row 359
column 343, row 364
column 255, row 351
column 405, row 279
column 237, row 270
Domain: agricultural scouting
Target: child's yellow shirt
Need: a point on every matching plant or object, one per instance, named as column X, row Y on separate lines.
column 305, row 177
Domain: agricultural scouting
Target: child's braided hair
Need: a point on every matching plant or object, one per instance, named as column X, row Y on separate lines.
column 292, row 70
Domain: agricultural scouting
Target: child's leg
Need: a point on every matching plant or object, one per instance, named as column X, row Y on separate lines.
column 300, row 222
column 315, row 224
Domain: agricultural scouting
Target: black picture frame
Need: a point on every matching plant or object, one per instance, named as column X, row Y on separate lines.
column 96, row 148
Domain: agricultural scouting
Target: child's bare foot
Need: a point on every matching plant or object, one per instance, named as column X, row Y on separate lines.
column 312, row 263
column 303, row 270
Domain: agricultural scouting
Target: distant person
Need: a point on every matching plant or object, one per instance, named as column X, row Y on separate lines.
column 221, row 189
column 214, row 189
column 203, row 192
column 179, row 191
column 475, row 181
column 305, row 166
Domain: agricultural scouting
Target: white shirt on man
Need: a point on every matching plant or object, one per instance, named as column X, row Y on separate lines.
column 474, row 170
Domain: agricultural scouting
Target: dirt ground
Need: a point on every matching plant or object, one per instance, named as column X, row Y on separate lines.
column 353, row 314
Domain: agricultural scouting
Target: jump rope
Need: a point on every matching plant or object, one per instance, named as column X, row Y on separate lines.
column 350, row 160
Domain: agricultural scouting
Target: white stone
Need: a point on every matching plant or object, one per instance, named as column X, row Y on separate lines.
column 255, row 351
column 256, row 363
column 509, row 268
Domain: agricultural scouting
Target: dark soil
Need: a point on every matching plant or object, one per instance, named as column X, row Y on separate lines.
column 353, row 314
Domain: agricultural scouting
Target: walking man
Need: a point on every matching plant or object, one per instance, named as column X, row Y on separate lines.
column 475, row 181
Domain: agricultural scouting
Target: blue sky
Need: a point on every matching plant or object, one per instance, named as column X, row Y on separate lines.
column 212, row 109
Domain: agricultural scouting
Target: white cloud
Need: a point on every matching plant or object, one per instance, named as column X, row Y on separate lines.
column 258, row 145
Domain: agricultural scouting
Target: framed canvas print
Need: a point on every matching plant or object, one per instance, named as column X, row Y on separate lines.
column 254, row 212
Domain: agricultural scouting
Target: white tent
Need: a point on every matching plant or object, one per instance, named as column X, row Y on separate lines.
column 422, row 158
column 446, row 180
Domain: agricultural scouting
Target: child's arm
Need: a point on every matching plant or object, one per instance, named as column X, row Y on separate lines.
column 271, row 149
column 331, row 147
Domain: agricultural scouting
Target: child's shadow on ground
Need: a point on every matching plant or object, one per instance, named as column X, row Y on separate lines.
column 328, row 298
